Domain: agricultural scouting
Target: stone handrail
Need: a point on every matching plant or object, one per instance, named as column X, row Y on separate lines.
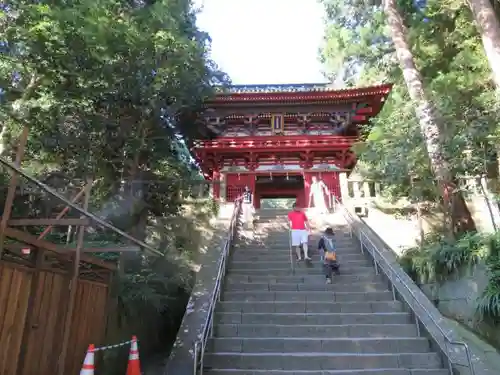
column 206, row 333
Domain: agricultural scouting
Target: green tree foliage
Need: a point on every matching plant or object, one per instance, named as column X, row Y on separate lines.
column 449, row 54
column 486, row 17
column 110, row 89
column 447, row 48
column 106, row 87
column 103, row 83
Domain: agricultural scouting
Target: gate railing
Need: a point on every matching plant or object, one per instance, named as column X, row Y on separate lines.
column 419, row 311
column 207, row 330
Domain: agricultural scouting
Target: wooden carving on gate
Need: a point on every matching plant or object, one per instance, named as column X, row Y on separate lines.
column 216, row 124
column 340, row 121
column 304, row 121
column 251, row 162
column 251, row 122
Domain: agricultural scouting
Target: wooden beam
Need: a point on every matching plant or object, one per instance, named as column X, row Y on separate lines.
column 11, row 192
column 51, row 222
column 124, row 249
column 42, row 244
column 17, row 249
column 127, row 249
column 96, row 220
column 63, row 212
column 365, row 111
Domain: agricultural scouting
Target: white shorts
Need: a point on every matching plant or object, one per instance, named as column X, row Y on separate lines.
column 299, row 237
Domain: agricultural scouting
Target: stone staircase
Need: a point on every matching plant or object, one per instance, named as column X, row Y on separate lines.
column 271, row 321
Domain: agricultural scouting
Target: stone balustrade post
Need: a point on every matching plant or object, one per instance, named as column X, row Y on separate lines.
column 356, row 189
column 223, row 187
column 344, row 188
column 366, row 188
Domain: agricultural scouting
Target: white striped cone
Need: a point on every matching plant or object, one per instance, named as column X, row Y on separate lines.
column 134, row 366
column 88, row 364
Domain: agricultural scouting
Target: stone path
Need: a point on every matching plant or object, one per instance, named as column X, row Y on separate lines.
column 273, row 321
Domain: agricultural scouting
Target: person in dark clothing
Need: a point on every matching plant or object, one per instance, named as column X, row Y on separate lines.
column 328, row 252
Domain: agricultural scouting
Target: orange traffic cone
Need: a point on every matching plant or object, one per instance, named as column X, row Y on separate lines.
column 88, row 363
column 134, row 365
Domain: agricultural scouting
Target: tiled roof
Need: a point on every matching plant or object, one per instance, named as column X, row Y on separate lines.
column 263, row 89
column 293, row 88
column 296, row 93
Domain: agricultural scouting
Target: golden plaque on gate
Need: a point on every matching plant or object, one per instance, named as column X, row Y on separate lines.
column 278, row 124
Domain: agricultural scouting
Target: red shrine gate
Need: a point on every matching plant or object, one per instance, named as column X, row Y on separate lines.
column 274, row 139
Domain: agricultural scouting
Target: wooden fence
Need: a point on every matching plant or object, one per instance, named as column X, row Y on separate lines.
column 33, row 307
column 53, row 298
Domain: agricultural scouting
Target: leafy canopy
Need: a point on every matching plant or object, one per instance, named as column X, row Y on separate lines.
column 448, row 52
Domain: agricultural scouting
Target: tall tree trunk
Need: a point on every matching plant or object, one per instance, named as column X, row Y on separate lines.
column 458, row 215
column 489, row 28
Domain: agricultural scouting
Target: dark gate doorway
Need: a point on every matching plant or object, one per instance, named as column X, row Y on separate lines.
column 281, row 186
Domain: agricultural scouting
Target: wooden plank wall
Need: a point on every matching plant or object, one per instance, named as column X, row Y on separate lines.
column 44, row 328
column 89, row 322
column 38, row 326
column 15, row 285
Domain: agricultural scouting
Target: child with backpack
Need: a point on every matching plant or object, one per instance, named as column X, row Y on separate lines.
column 328, row 251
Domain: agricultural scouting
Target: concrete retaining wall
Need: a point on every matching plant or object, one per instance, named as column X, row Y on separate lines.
column 180, row 361
column 457, row 298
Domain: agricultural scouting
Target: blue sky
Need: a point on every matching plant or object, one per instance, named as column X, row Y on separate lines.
column 265, row 41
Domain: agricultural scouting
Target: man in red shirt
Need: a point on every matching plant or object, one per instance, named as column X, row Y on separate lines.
column 299, row 227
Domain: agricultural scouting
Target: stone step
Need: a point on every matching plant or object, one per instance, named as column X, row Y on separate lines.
column 273, row 220
column 301, row 269
column 285, row 236
column 285, row 243
column 389, row 371
column 279, row 264
column 280, row 230
column 308, row 296
column 329, row 318
column 280, row 261
column 265, row 234
column 362, row 345
column 271, row 216
column 319, row 286
column 310, row 307
column 284, row 254
column 268, row 255
column 346, row 246
column 321, row 361
column 318, row 331
column 302, row 279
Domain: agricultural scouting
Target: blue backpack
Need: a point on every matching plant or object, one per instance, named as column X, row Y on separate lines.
column 329, row 246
